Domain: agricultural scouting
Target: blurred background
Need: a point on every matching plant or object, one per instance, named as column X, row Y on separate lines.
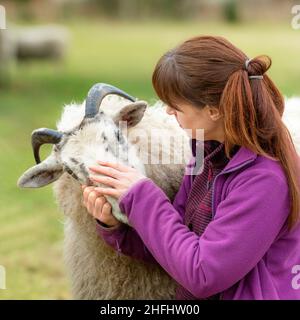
column 53, row 51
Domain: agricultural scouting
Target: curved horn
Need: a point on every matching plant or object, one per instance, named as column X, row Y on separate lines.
column 96, row 95
column 42, row 136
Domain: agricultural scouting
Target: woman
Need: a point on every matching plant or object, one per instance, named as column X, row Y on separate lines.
column 232, row 231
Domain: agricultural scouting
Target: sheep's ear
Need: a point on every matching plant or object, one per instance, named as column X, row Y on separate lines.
column 40, row 175
column 132, row 113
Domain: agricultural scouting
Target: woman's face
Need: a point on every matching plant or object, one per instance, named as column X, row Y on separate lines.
column 193, row 118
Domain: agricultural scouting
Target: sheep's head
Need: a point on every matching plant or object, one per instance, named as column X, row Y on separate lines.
column 97, row 137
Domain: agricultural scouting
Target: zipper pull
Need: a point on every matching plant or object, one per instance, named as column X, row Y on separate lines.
column 119, row 251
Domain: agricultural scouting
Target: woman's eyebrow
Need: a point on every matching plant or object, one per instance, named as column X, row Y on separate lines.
column 180, row 110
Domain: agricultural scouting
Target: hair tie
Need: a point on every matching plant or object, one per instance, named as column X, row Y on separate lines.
column 256, row 77
column 260, row 77
column 247, row 63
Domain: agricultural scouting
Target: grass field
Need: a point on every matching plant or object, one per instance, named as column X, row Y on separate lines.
column 31, row 228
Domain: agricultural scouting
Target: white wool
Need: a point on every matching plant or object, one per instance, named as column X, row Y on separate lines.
column 74, row 113
column 291, row 118
column 72, row 116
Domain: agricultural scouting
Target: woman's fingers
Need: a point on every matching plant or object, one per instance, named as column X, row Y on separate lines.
column 106, row 180
column 114, row 165
column 91, row 201
column 98, row 206
column 108, row 192
column 86, row 193
column 106, row 215
column 103, row 212
column 106, row 171
column 106, row 210
column 100, row 201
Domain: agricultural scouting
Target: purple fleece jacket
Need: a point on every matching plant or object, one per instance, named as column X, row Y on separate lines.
column 246, row 251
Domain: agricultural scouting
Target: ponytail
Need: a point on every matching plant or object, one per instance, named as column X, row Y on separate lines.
column 252, row 111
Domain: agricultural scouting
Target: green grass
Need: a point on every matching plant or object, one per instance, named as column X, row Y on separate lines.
column 31, row 228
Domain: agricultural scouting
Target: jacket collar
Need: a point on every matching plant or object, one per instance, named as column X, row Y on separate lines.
column 242, row 157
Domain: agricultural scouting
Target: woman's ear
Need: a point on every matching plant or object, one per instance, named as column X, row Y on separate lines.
column 214, row 113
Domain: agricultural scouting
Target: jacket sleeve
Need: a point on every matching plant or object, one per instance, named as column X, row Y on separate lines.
column 126, row 240
column 256, row 207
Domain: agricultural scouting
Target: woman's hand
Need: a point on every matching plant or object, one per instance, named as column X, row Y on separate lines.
column 118, row 177
column 98, row 206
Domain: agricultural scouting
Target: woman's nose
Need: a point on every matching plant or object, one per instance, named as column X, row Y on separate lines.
column 170, row 111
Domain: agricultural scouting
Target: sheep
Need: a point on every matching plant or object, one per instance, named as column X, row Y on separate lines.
column 47, row 41
column 19, row 43
column 291, row 118
column 85, row 135
column 7, row 56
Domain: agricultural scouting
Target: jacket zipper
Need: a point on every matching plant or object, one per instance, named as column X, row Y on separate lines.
column 209, row 176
